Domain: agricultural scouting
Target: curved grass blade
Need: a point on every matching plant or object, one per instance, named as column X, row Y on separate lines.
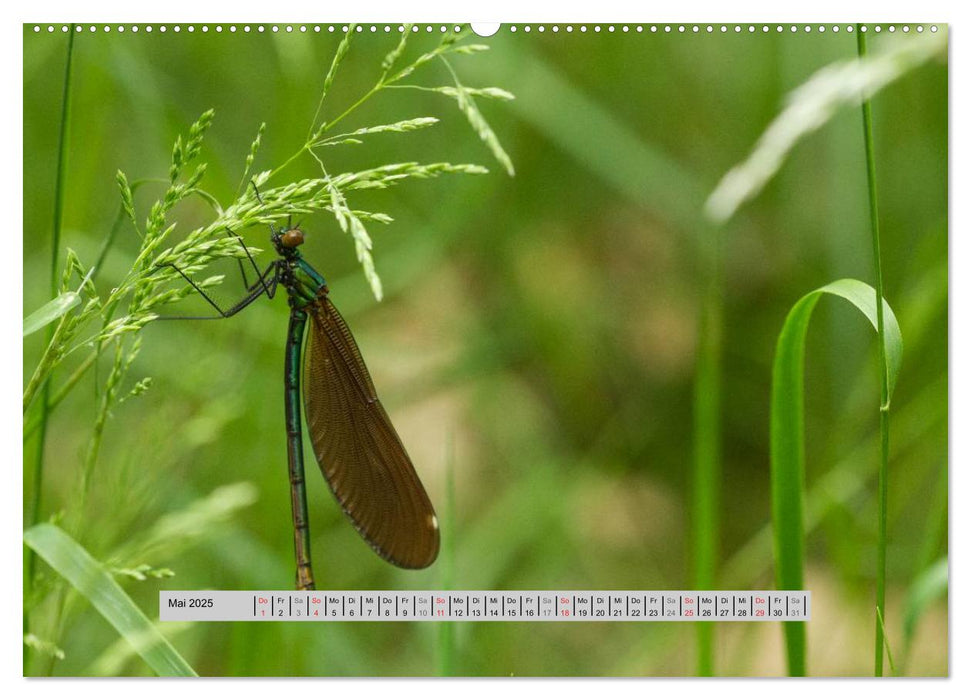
column 51, row 311
column 788, row 437
column 88, row 577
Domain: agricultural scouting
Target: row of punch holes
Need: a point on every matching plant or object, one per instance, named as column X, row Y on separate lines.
column 555, row 28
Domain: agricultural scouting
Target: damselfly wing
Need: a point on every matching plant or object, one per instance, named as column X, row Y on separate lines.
column 358, row 450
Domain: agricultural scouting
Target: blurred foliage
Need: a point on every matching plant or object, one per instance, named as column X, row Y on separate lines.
column 544, row 326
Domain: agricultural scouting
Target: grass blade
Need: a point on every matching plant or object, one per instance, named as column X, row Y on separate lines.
column 89, row 578
column 50, row 312
column 883, row 475
column 788, row 437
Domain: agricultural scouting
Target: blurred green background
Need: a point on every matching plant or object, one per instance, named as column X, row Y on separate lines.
column 538, row 338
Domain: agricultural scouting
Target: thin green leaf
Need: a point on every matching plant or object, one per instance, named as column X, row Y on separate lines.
column 88, row 577
column 863, row 297
column 788, row 437
column 51, row 311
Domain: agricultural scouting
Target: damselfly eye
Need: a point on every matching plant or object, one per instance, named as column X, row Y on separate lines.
column 292, row 238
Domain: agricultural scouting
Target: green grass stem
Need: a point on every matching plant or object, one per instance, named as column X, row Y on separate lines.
column 55, row 260
column 883, row 473
column 44, row 412
column 706, row 465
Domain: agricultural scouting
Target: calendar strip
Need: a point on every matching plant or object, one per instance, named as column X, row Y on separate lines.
column 485, row 606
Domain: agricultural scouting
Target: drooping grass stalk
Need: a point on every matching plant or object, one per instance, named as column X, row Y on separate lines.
column 706, row 466
column 35, row 501
column 882, row 473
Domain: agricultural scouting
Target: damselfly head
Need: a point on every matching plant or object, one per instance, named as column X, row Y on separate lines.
column 291, row 238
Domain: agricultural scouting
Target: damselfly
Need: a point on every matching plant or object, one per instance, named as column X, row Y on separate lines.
column 358, row 450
